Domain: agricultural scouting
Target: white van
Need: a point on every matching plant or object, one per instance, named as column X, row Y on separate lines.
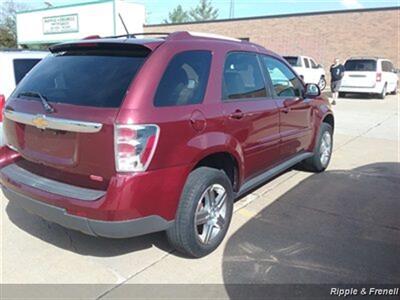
column 369, row 75
column 14, row 64
column 308, row 70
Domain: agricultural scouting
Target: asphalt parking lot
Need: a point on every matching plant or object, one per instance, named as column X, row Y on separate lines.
column 341, row 226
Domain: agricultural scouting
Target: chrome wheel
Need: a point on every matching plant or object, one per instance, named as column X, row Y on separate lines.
column 325, row 148
column 210, row 217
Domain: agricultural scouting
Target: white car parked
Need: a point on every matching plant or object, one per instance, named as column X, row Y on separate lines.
column 369, row 75
column 14, row 64
column 308, row 70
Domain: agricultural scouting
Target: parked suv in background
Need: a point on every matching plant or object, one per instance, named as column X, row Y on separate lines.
column 308, row 70
column 369, row 75
column 14, row 64
column 123, row 137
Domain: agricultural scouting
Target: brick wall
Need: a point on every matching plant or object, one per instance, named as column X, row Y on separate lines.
column 322, row 36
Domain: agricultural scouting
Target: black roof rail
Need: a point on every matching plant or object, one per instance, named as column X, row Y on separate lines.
column 20, row 50
column 133, row 35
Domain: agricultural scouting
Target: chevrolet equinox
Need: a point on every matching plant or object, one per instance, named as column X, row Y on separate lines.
column 119, row 137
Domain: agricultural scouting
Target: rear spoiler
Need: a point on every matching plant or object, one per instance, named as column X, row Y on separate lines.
column 97, row 45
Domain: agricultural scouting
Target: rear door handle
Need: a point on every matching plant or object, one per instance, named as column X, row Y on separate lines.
column 237, row 115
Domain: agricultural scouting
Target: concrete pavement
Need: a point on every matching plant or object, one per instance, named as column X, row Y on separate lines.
column 341, row 226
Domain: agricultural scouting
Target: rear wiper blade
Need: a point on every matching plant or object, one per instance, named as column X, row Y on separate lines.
column 42, row 98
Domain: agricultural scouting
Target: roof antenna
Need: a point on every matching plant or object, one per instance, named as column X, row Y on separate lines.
column 126, row 29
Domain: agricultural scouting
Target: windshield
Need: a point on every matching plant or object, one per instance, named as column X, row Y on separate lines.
column 360, row 65
column 97, row 79
column 294, row 61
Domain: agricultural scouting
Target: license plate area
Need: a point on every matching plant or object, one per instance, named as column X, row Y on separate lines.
column 49, row 146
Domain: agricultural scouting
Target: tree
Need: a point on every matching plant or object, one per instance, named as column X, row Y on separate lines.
column 204, row 11
column 8, row 24
column 177, row 15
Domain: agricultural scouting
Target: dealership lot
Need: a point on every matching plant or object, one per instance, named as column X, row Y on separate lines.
column 334, row 227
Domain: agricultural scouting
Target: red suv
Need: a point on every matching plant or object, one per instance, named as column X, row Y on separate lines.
column 122, row 137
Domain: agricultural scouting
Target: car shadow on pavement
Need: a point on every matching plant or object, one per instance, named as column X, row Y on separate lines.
column 340, row 226
column 78, row 242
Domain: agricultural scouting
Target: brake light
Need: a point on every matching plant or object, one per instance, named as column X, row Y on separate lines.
column 2, row 102
column 134, row 146
column 378, row 77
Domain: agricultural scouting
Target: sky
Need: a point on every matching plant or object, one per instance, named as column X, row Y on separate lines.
column 157, row 10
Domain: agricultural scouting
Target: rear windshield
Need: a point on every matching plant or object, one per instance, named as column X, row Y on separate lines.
column 98, row 79
column 23, row 66
column 360, row 65
column 294, row 61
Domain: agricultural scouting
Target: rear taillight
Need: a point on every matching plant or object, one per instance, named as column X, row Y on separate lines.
column 2, row 102
column 134, row 146
column 378, row 77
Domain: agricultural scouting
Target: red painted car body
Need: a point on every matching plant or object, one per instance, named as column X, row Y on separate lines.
column 264, row 134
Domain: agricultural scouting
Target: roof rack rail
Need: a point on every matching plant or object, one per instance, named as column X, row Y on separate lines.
column 133, row 35
column 180, row 35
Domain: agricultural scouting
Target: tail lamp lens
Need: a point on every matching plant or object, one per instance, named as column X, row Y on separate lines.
column 378, row 77
column 2, row 103
column 134, row 146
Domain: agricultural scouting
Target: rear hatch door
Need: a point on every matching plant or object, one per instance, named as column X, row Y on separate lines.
column 360, row 73
column 84, row 85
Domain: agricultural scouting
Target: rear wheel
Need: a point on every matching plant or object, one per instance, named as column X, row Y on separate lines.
column 322, row 150
column 382, row 95
column 204, row 213
column 322, row 83
column 395, row 90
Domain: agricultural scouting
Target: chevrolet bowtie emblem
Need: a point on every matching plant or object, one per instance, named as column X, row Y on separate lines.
column 40, row 122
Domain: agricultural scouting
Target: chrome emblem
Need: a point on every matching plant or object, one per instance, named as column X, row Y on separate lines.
column 40, row 122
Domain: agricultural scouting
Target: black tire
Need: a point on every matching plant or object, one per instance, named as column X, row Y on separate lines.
column 342, row 95
column 395, row 90
column 183, row 234
column 382, row 95
column 314, row 163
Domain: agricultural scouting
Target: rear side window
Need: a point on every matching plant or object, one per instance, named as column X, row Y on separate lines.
column 23, row 66
column 185, row 79
column 85, row 78
column 387, row 66
column 360, row 65
column 242, row 77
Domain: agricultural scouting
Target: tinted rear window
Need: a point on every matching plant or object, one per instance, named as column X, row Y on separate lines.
column 23, row 66
column 98, row 79
column 360, row 65
column 294, row 61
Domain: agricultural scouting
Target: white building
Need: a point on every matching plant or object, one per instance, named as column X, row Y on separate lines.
column 64, row 23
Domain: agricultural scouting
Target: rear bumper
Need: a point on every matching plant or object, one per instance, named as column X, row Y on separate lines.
column 110, row 229
column 367, row 90
column 133, row 204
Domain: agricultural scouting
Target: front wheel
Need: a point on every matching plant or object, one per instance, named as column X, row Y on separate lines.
column 204, row 213
column 322, row 150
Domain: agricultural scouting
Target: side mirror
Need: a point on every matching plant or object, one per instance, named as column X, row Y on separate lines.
column 312, row 91
column 320, row 66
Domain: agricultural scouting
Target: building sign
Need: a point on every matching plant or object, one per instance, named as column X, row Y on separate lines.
column 60, row 24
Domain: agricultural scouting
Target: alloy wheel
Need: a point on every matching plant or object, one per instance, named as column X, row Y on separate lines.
column 325, row 149
column 210, row 216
